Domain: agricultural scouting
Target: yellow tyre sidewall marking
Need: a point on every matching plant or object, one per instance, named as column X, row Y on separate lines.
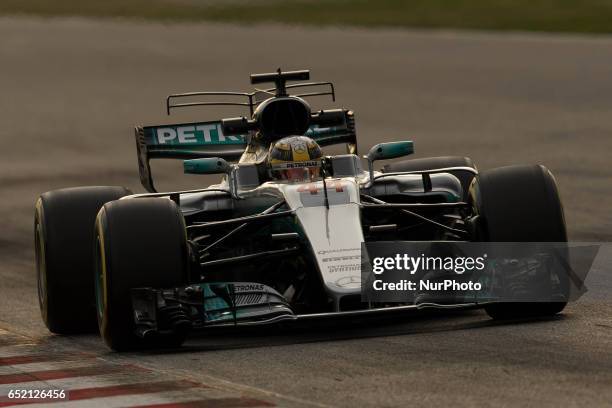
column 42, row 260
column 102, row 319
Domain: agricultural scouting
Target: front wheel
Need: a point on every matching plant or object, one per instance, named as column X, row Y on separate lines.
column 520, row 204
column 140, row 242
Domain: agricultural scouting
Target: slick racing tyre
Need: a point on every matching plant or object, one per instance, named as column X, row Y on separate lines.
column 427, row 163
column 520, row 204
column 63, row 241
column 140, row 243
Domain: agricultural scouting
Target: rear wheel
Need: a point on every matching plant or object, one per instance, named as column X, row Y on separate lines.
column 63, row 238
column 520, row 204
column 140, row 243
column 428, row 163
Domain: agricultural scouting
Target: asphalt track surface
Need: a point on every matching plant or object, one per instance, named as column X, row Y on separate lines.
column 71, row 90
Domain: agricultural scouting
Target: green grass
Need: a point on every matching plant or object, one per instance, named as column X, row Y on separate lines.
column 581, row 16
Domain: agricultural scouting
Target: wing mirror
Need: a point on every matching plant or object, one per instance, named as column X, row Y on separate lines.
column 211, row 165
column 390, row 150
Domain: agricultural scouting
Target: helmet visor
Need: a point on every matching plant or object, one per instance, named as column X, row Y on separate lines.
column 296, row 171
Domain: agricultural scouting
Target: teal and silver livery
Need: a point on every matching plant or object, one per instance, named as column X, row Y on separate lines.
column 283, row 236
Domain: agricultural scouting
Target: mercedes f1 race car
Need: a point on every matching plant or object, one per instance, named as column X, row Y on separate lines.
column 279, row 238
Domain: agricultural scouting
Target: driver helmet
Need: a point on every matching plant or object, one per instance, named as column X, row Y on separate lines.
column 295, row 158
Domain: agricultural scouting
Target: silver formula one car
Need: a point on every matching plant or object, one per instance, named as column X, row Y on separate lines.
column 279, row 238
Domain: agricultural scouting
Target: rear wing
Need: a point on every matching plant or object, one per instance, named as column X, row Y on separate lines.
column 206, row 139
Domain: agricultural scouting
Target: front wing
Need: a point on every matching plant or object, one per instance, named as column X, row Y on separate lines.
column 229, row 304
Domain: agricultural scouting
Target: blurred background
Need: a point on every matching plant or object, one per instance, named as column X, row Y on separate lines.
column 580, row 16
